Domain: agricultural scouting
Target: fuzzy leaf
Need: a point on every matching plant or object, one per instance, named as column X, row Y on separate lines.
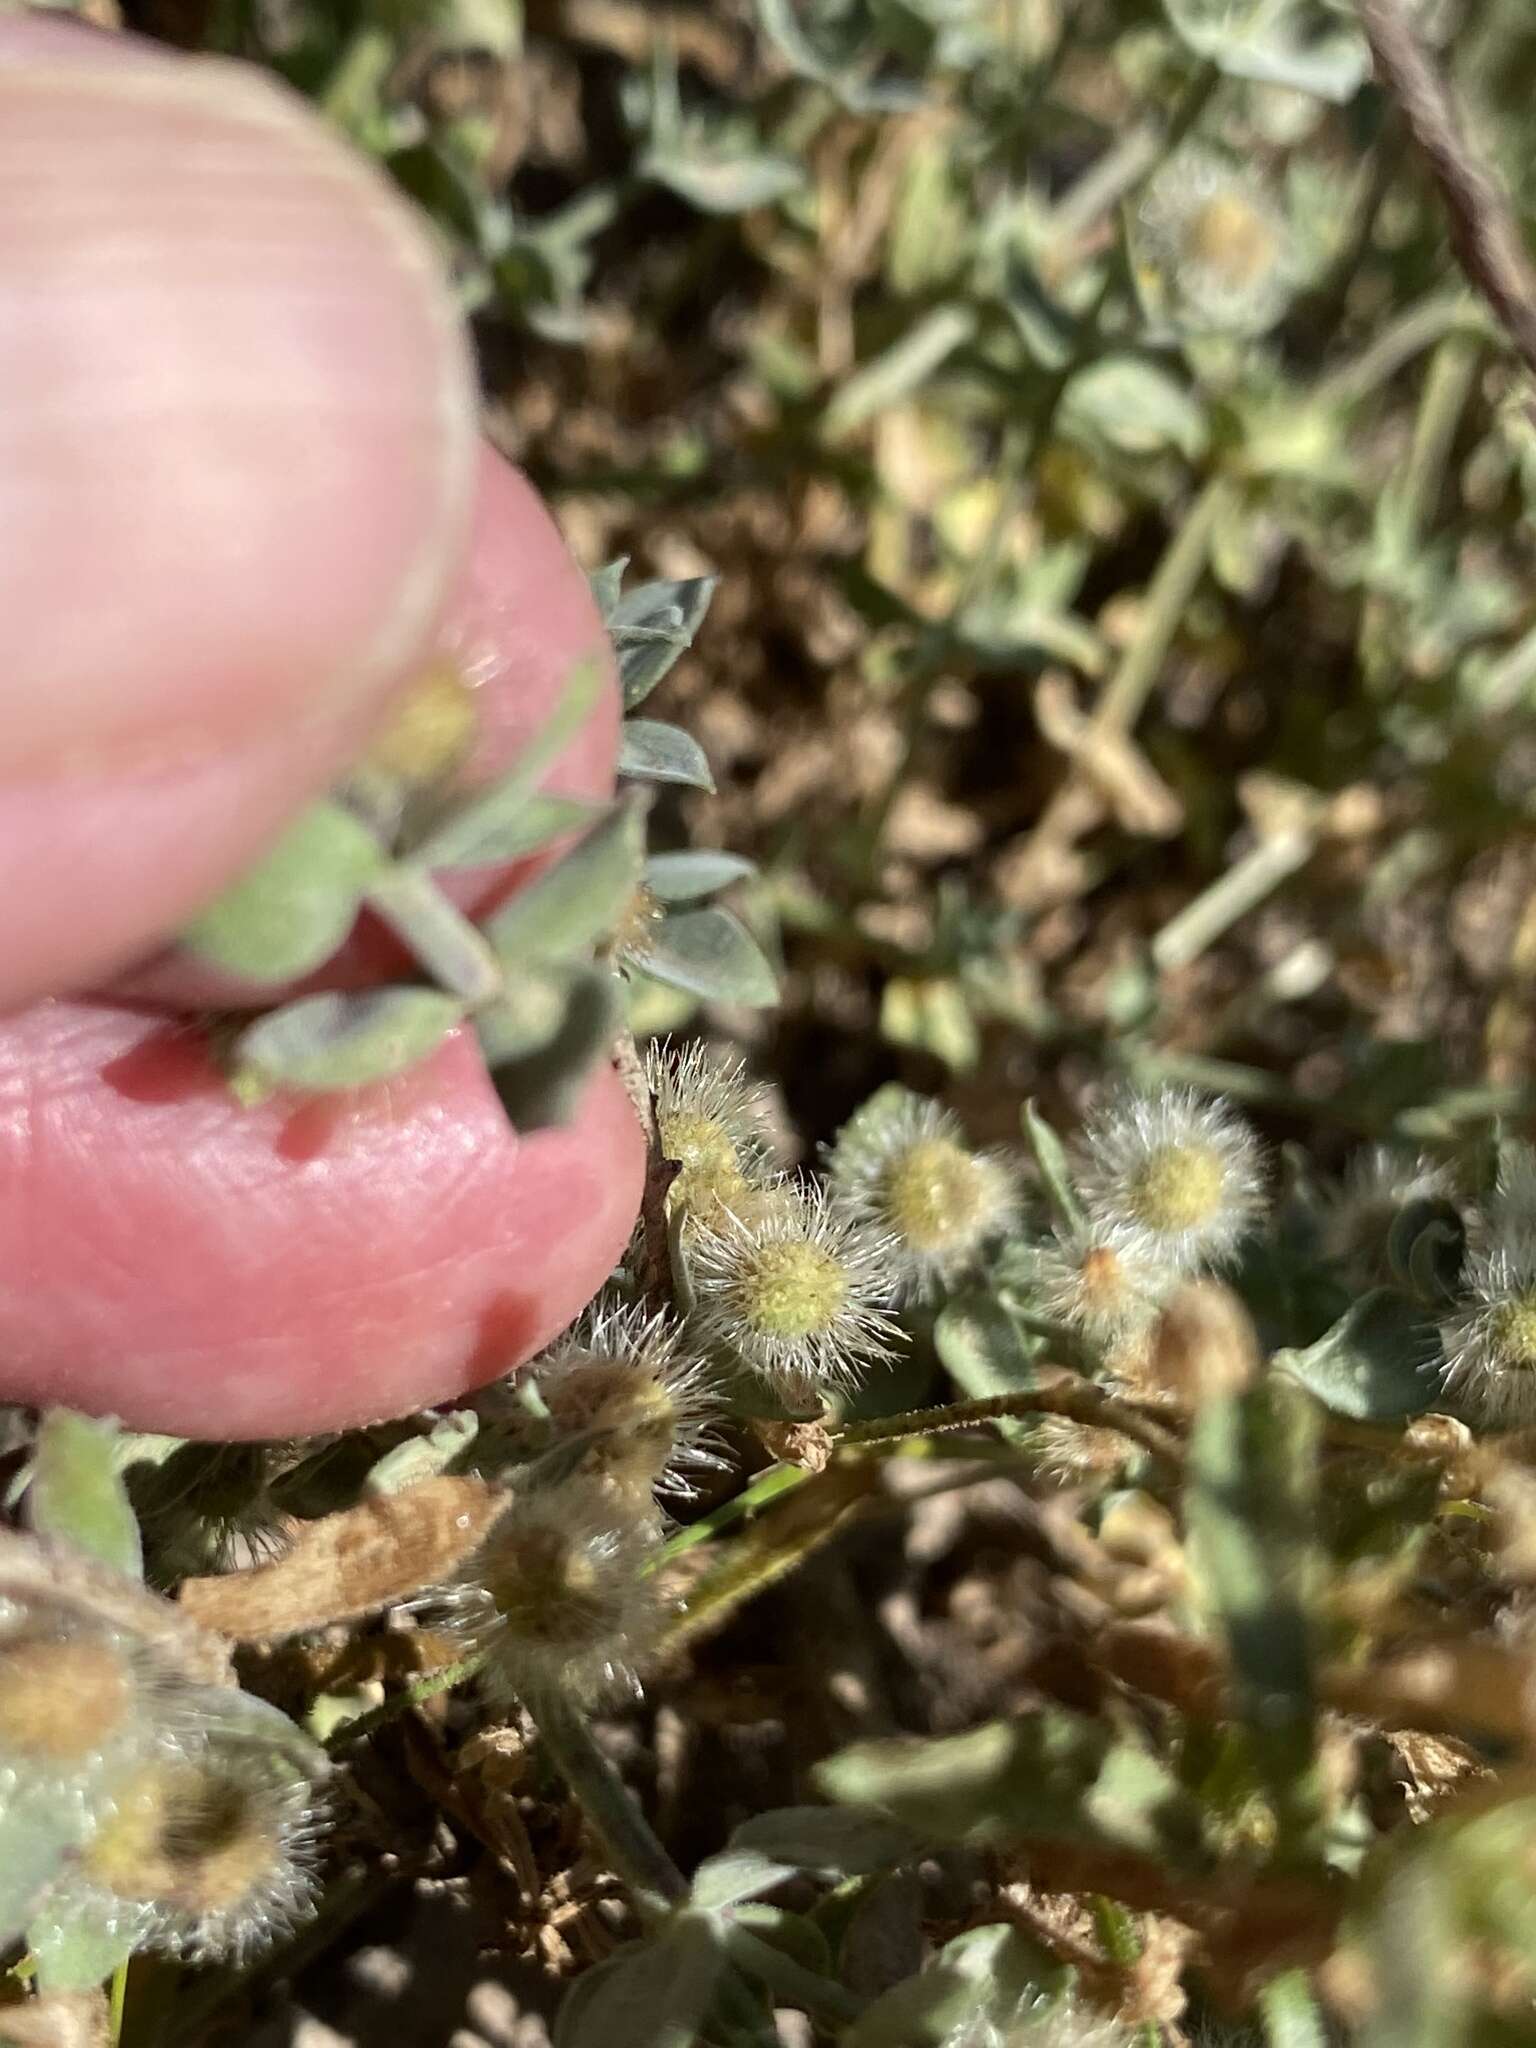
column 723, row 184
column 288, row 914
column 606, row 583
column 985, row 1352
column 826, row 1839
column 241, row 1717
column 35, row 1838
column 898, row 371
column 977, row 1982
column 475, row 834
column 711, row 954
column 492, row 833
column 656, row 1992
column 653, row 752
column 345, row 1040
column 1133, row 405
column 76, row 1945
column 540, row 1086
column 1051, row 1162
column 785, row 1977
column 576, row 902
column 733, row 1875
column 781, row 25
column 77, row 1494
column 1377, row 1362
column 695, row 872
column 652, row 627
column 1054, row 1776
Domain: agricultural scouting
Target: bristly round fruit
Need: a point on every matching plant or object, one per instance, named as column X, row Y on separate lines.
column 206, row 1849
column 621, row 1386
column 1210, row 241
column 1099, row 1281
column 797, row 1294
column 78, row 1702
column 1176, row 1178
column 710, row 1119
column 902, row 1167
column 559, row 1596
column 1490, row 1341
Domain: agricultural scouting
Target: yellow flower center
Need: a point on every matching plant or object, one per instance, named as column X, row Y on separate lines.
column 182, row 1835
column 432, row 731
column 1514, row 1326
column 793, row 1291
column 1179, row 1187
column 1233, row 240
column 935, row 1195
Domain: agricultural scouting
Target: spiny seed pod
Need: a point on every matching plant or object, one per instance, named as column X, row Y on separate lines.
column 1099, row 1281
column 1513, row 1207
column 795, row 1294
column 1490, row 1342
column 206, row 1849
column 621, row 1385
column 710, row 1120
column 1042, row 2023
column 1378, row 1183
column 1178, row 1176
column 902, row 1167
column 559, row 1597
column 77, row 1703
column 1210, row 241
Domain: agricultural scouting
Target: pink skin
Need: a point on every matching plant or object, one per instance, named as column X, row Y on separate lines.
column 236, row 475
column 214, row 1271
column 520, row 618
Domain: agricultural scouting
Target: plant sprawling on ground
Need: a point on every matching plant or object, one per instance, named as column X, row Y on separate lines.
column 1032, row 1546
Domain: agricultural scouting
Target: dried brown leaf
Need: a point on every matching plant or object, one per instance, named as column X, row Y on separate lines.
column 68, row 2019
column 352, row 1563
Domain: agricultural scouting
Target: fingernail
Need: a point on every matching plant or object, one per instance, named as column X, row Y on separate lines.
column 237, row 412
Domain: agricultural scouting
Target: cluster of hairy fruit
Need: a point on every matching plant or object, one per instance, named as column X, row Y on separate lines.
column 186, row 1826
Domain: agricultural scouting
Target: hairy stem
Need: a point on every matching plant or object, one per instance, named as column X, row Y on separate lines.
column 654, row 1881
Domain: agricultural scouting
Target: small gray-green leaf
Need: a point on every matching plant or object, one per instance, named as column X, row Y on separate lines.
column 985, row 1352
column 652, row 627
column 1377, row 1362
column 488, row 832
column 345, row 1040
column 653, row 752
column 695, row 872
column 733, row 1875
column 1051, row 1161
column 77, row 1494
column 898, row 370
column 655, row 1992
column 826, row 1839
column 288, row 914
column 541, row 1086
column 576, row 902
column 77, row 1943
column 979, row 1980
column 723, row 184
column 606, row 584
column 474, row 833
column 35, row 1837
column 711, row 954
column 236, row 1716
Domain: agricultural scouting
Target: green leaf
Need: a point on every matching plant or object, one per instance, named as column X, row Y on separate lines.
column 345, row 1040
column 1426, row 1246
column 899, row 370
column 985, row 1352
column 485, row 835
column 655, row 1992
column 786, row 1978
column 1377, row 1363
column 1051, row 1163
column 733, row 1875
column 77, row 1494
column 720, row 184
column 540, row 1083
column 697, row 871
column 976, row 1984
column 76, row 1943
column 475, row 834
column 606, row 583
column 931, row 1012
column 567, row 909
column 652, row 627
column 1133, row 405
column 35, row 1838
column 288, row 914
column 828, row 1840
column 654, row 752
column 1053, row 1776
column 711, row 954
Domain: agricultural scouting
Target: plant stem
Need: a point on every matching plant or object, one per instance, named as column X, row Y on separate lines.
column 654, row 1881
column 416, row 1694
column 442, row 939
column 1080, row 1400
column 766, row 1487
